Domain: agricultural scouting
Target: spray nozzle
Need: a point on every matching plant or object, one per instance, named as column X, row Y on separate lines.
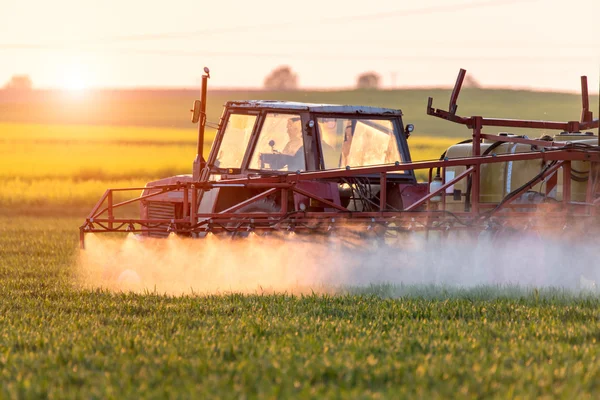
column 89, row 225
column 370, row 227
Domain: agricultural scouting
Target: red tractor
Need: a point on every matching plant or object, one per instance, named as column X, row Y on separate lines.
column 279, row 166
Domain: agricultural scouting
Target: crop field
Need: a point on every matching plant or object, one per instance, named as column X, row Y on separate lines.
column 58, row 341
column 72, row 165
column 62, row 339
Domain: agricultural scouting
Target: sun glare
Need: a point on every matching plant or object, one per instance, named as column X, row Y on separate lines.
column 75, row 84
column 74, row 80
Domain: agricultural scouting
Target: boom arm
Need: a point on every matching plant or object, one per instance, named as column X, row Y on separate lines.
column 570, row 126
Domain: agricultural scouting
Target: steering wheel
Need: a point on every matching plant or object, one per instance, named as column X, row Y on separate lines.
column 277, row 161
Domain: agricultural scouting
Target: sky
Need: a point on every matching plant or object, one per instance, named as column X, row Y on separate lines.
column 542, row 44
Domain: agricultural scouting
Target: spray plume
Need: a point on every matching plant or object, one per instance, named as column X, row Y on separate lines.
column 295, row 263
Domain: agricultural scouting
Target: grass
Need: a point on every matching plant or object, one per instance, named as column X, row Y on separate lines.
column 57, row 340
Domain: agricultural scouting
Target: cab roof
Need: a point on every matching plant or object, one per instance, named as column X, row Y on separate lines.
column 312, row 107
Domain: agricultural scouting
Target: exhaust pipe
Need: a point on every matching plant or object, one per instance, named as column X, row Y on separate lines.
column 199, row 115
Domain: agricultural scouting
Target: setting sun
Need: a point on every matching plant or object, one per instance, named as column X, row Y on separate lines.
column 74, row 79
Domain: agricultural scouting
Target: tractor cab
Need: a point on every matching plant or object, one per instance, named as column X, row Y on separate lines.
column 257, row 138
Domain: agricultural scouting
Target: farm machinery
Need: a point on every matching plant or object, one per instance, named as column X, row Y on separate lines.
column 278, row 167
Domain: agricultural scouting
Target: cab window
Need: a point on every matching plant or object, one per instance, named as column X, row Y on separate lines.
column 280, row 146
column 357, row 142
column 235, row 140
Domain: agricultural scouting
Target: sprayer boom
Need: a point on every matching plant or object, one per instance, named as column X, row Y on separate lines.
column 283, row 168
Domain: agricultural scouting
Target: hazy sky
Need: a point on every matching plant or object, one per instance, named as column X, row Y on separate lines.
column 123, row 43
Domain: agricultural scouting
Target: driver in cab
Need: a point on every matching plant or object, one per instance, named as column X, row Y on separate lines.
column 294, row 131
column 292, row 155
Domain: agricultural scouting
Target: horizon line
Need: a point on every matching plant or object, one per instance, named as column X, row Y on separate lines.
column 591, row 92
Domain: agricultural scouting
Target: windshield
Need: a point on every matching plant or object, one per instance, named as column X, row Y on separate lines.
column 357, row 142
column 280, row 146
column 235, row 141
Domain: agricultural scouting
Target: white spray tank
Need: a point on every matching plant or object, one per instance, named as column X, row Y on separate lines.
column 435, row 184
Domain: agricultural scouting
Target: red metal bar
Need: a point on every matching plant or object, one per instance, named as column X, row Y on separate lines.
column 403, row 216
column 164, row 187
column 159, row 189
column 110, row 209
column 477, row 136
column 570, row 126
column 452, row 107
column 141, row 221
column 194, row 207
column 532, row 142
column 319, row 199
column 475, row 181
column 98, row 204
column 382, row 191
column 444, row 192
column 435, row 192
column 586, row 114
column 249, row 201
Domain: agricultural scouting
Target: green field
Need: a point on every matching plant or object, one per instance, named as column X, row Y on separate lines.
column 61, row 339
column 58, row 341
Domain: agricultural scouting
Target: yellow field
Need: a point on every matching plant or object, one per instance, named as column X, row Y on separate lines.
column 79, row 133
column 74, row 164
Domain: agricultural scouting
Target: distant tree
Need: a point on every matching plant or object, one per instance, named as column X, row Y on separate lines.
column 19, row 83
column 471, row 82
column 281, row 78
column 368, row 80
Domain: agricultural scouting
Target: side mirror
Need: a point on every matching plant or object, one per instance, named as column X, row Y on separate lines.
column 408, row 130
column 196, row 111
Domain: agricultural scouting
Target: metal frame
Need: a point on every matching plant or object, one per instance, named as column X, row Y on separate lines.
column 414, row 217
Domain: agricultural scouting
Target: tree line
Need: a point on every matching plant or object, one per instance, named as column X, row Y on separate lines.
column 284, row 78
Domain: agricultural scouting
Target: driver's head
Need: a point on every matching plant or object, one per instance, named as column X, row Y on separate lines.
column 294, row 128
